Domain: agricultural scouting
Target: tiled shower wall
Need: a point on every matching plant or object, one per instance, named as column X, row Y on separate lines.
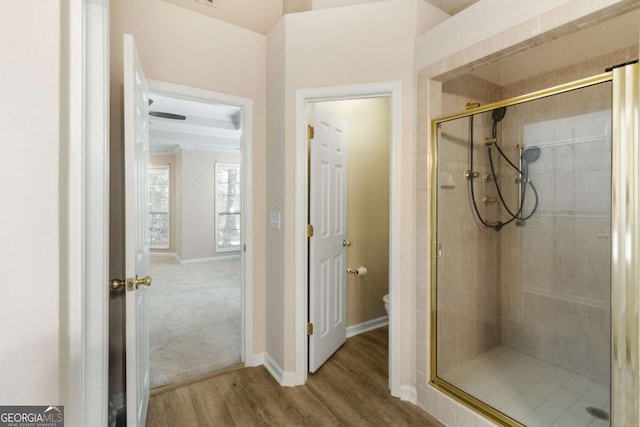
column 555, row 271
column 469, row 288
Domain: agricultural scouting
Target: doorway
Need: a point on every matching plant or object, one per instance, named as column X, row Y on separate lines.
column 390, row 90
column 349, row 210
column 201, row 315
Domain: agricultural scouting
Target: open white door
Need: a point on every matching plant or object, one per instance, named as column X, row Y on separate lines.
column 327, row 246
column 136, row 154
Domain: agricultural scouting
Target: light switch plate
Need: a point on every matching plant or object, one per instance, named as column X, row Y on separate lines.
column 274, row 220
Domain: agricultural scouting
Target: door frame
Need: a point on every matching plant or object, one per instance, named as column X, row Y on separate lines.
column 84, row 292
column 246, row 104
column 393, row 91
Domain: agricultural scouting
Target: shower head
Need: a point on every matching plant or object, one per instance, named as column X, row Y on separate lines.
column 531, row 154
column 498, row 114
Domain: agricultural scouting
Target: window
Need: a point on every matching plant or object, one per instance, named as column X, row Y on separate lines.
column 228, row 207
column 159, row 207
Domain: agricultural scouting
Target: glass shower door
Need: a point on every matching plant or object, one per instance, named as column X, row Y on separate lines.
column 522, row 282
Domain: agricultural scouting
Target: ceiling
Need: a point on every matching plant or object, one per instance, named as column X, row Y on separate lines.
column 452, row 6
column 262, row 15
column 207, row 127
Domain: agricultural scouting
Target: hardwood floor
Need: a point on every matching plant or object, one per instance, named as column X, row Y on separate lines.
column 350, row 389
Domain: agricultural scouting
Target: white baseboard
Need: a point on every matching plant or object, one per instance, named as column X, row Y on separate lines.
column 210, row 259
column 409, row 393
column 257, row 359
column 164, row 254
column 285, row 379
column 367, row 326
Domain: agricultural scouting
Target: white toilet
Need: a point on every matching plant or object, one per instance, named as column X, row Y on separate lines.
column 386, row 303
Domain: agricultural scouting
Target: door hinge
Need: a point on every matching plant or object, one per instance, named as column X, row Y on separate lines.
column 309, row 328
column 310, row 132
column 309, row 230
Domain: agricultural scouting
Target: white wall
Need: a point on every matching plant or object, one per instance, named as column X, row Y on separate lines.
column 366, row 43
column 31, row 243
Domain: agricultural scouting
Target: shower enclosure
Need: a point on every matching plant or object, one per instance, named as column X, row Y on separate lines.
column 534, row 203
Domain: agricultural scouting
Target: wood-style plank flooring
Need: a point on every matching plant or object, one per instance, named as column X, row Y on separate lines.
column 350, row 389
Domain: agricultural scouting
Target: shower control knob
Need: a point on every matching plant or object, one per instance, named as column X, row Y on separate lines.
column 487, row 200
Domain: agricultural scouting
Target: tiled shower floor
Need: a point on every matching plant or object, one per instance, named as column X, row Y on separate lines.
column 533, row 392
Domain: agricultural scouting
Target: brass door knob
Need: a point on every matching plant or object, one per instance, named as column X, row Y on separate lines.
column 131, row 284
column 145, row 281
column 117, row 284
column 346, row 243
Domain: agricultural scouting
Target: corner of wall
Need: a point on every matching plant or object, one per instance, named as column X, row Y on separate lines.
column 285, row 379
column 274, row 184
column 428, row 16
column 409, row 393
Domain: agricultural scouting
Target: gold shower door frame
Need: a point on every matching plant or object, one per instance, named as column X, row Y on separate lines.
column 625, row 244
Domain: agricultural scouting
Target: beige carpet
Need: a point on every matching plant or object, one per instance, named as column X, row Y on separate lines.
column 195, row 318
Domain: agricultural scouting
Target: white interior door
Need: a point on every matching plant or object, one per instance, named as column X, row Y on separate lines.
column 136, row 154
column 327, row 252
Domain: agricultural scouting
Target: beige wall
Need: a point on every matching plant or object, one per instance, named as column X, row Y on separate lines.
column 172, row 44
column 368, row 124
column 372, row 42
column 295, row 6
column 198, row 202
column 173, row 196
column 33, row 195
column 275, row 196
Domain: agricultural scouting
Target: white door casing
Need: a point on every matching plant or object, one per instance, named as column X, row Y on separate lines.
column 136, row 155
column 397, row 249
column 327, row 254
